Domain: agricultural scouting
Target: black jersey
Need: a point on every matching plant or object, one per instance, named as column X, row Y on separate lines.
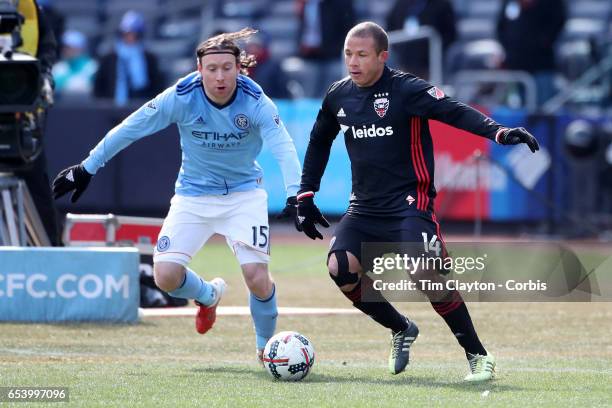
column 387, row 137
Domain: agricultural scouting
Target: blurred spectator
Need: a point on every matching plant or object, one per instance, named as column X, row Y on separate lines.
column 410, row 15
column 129, row 71
column 528, row 30
column 55, row 19
column 267, row 73
column 237, row 9
column 74, row 74
column 323, row 26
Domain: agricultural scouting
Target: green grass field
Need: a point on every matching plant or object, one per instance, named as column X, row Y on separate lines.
column 549, row 354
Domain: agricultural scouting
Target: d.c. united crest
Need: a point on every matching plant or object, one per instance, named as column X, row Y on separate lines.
column 381, row 104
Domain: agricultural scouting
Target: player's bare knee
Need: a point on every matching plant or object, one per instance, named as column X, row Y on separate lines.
column 332, row 264
column 344, row 269
column 354, row 264
column 168, row 276
column 258, row 279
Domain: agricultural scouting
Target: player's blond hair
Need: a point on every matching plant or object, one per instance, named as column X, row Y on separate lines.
column 228, row 43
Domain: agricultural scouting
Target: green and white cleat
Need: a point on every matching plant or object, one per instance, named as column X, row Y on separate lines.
column 482, row 368
column 400, row 348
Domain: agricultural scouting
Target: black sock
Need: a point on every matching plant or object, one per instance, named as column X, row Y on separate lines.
column 456, row 315
column 376, row 306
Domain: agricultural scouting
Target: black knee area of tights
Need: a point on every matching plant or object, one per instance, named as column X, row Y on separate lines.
column 344, row 277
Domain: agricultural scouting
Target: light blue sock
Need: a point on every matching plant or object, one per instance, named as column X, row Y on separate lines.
column 264, row 313
column 194, row 287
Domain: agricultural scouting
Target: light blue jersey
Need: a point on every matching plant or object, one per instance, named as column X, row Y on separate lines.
column 219, row 145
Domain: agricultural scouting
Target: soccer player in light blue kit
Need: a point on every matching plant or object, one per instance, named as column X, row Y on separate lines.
column 223, row 118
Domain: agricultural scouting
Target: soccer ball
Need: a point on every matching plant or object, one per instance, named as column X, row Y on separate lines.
column 288, row 356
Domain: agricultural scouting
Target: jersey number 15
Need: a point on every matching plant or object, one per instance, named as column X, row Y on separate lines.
column 260, row 236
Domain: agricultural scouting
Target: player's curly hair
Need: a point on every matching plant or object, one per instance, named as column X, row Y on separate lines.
column 228, row 42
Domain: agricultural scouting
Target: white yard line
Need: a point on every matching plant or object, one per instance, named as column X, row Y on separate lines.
column 242, row 311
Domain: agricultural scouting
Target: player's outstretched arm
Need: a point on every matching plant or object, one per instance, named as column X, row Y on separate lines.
column 513, row 136
column 74, row 178
column 155, row 115
column 308, row 216
column 425, row 100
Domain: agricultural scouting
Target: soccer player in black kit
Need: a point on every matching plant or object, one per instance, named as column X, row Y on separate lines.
column 383, row 114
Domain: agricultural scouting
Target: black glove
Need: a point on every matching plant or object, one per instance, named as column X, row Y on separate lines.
column 518, row 135
column 290, row 210
column 72, row 178
column 308, row 216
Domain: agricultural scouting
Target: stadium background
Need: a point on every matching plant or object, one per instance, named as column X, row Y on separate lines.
column 495, row 187
column 550, row 354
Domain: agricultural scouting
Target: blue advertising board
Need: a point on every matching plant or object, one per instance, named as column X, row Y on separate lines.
column 69, row 284
column 527, row 176
column 298, row 117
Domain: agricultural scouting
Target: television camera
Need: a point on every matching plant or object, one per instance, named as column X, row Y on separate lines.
column 22, row 105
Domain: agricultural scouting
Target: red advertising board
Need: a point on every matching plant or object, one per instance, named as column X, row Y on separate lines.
column 463, row 180
column 112, row 230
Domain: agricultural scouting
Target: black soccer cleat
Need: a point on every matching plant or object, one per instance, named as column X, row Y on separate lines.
column 400, row 348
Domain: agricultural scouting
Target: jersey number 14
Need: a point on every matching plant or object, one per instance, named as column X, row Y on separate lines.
column 432, row 245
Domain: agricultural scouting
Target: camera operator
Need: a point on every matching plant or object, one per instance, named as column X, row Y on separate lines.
column 42, row 45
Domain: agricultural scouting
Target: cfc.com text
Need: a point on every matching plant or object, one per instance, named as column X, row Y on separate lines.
column 66, row 286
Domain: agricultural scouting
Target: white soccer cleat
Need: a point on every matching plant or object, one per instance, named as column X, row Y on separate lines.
column 482, row 368
column 220, row 286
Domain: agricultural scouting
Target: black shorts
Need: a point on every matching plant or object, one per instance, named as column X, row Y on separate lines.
column 354, row 230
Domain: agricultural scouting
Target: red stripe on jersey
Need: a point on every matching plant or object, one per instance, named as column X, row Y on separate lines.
column 419, row 166
column 415, row 163
column 421, row 157
column 439, row 234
